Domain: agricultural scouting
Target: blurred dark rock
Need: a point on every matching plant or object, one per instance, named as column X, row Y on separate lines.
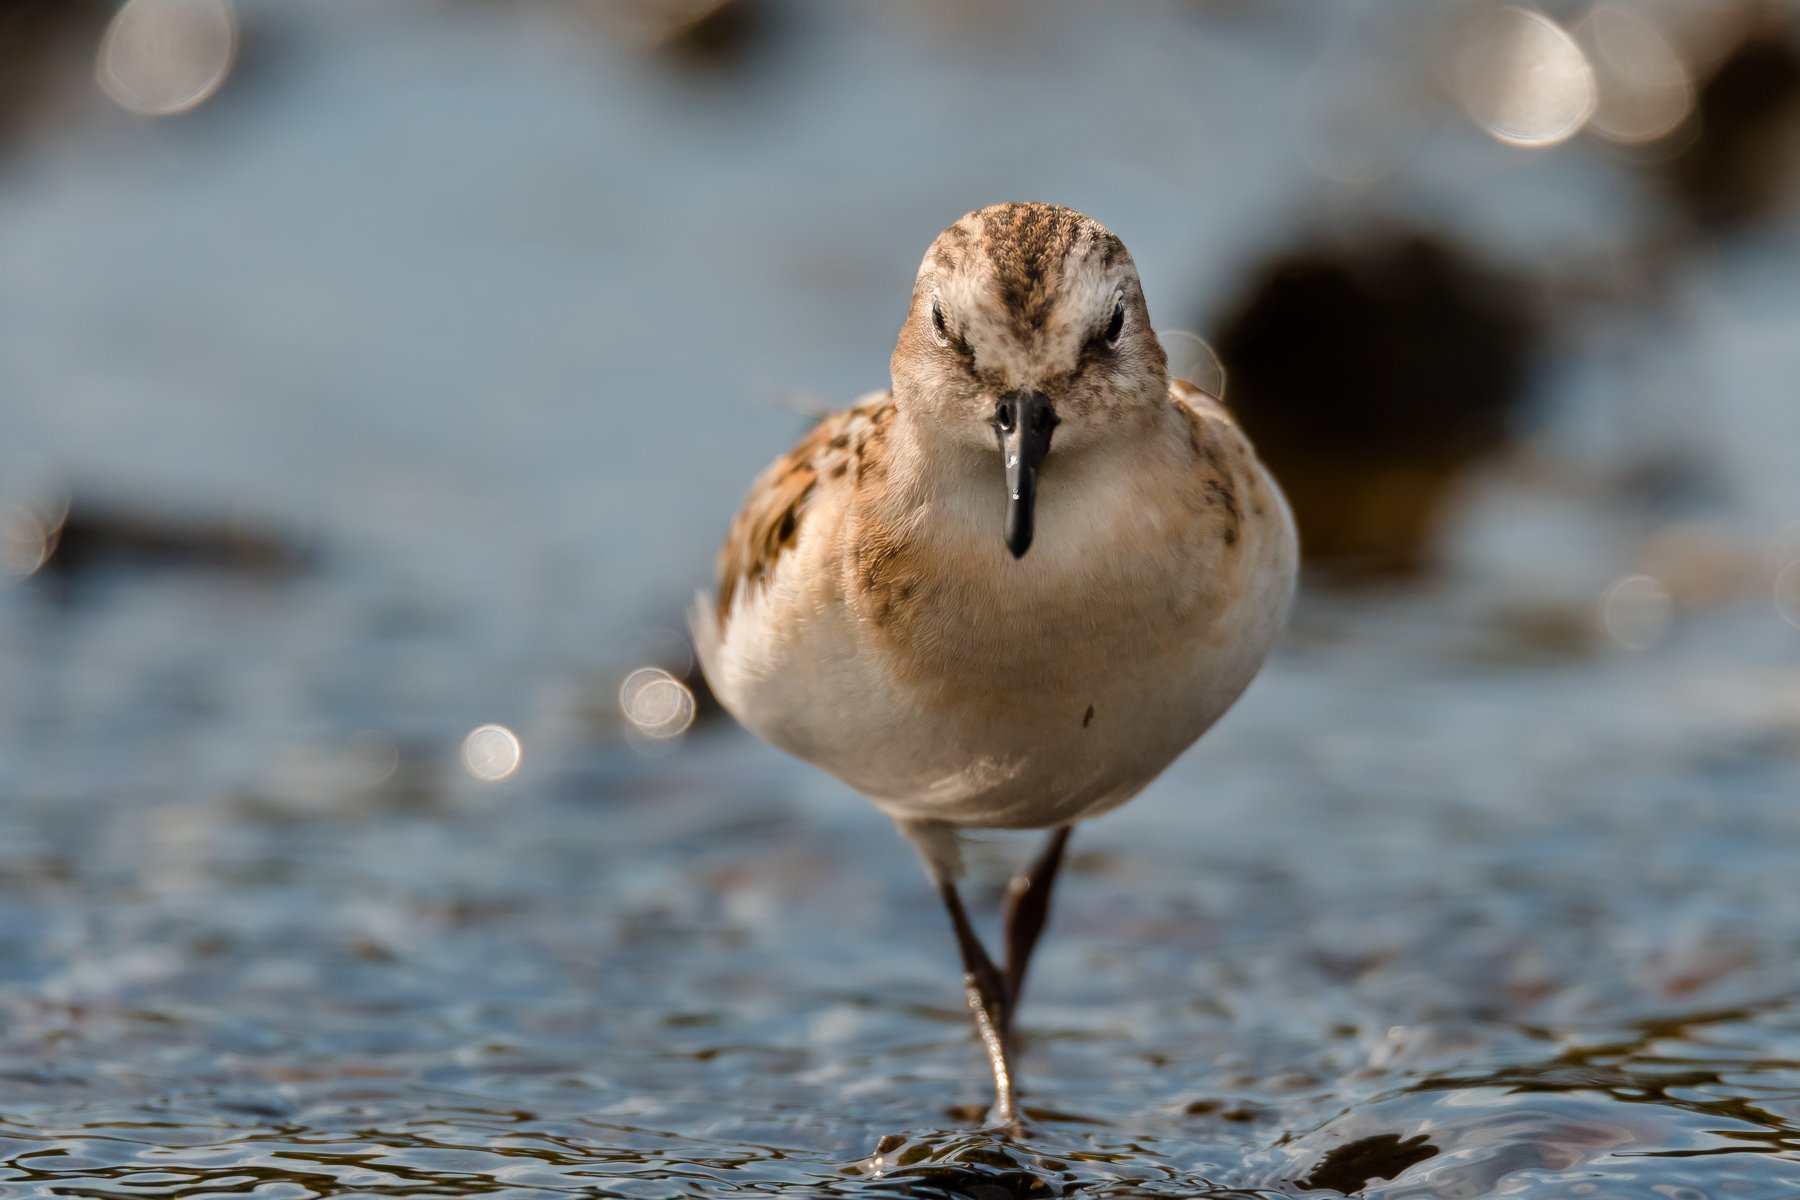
column 94, row 537
column 718, row 35
column 42, row 42
column 1741, row 164
column 1369, row 376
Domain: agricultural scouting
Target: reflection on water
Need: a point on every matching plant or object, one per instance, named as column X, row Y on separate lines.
column 389, row 856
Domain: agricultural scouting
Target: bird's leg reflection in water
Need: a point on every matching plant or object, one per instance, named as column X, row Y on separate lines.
column 993, row 996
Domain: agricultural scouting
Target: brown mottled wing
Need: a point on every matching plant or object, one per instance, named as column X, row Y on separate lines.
column 1222, row 457
column 770, row 521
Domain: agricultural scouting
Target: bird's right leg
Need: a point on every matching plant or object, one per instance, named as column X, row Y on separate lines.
column 1027, row 908
column 988, row 1002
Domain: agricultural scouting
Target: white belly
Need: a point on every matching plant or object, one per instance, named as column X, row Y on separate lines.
column 1043, row 703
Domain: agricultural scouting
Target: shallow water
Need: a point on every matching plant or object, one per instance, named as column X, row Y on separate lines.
column 1465, row 899
column 1304, row 959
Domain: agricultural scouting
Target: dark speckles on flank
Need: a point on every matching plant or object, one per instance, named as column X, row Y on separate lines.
column 1219, row 466
column 867, row 449
column 1204, row 450
column 1221, row 495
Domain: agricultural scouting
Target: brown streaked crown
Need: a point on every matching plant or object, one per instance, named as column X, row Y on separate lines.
column 1027, row 245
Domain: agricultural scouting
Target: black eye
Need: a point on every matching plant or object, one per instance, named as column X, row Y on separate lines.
column 937, row 322
column 1116, row 326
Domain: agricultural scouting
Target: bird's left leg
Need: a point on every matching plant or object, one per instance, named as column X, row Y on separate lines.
column 988, row 1002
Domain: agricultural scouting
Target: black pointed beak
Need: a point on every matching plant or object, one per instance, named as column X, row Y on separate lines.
column 1024, row 421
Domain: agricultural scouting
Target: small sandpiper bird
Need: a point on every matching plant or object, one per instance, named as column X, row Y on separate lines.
column 878, row 613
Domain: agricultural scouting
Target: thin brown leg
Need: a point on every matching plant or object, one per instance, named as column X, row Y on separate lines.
column 1027, row 908
column 988, row 1002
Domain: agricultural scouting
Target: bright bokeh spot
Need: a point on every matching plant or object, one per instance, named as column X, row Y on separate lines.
column 491, row 752
column 657, row 704
column 1192, row 358
column 1645, row 89
column 1522, row 78
column 161, row 57
column 1636, row 612
column 33, row 507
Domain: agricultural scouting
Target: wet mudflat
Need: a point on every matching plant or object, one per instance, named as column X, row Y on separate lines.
column 1487, row 888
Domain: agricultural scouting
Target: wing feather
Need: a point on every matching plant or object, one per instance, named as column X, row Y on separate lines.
column 773, row 517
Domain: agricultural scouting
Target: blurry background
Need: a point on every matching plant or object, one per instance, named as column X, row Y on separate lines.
column 376, row 382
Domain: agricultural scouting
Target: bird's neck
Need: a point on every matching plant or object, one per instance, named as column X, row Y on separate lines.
column 947, row 497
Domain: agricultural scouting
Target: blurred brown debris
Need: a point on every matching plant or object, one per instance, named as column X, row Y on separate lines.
column 1743, row 162
column 1369, row 376
column 701, row 34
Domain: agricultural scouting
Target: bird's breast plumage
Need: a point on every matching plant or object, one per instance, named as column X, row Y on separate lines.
column 890, row 638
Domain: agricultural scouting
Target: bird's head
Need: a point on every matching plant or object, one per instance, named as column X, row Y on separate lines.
column 1028, row 326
